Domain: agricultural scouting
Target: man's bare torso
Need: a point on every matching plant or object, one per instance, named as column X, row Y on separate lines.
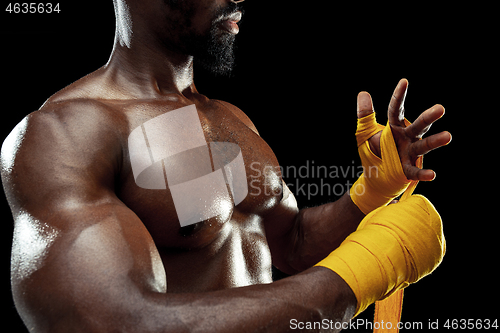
column 225, row 251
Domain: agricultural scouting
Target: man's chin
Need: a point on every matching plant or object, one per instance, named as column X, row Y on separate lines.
column 219, row 68
column 217, row 56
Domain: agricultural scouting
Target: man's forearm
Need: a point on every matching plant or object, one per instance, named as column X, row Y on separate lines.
column 321, row 229
column 316, row 295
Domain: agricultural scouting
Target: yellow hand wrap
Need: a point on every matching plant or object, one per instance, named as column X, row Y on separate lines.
column 382, row 179
column 392, row 247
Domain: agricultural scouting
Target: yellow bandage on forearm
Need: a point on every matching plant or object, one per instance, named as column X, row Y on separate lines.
column 392, row 247
column 383, row 178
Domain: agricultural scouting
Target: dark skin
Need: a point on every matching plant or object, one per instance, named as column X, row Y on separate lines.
column 94, row 252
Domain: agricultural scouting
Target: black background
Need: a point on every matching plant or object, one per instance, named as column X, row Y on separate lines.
column 299, row 68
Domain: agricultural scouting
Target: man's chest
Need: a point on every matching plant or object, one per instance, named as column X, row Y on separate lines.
column 192, row 171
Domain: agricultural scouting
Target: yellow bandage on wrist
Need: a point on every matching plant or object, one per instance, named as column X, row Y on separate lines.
column 392, row 247
column 383, row 178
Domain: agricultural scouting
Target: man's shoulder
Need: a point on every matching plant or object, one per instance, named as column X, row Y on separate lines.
column 77, row 118
column 68, row 127
column 238, row 113
column 82, row 105
column 86, row 112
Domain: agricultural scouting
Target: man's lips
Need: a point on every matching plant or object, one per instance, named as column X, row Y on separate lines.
column 230, row 22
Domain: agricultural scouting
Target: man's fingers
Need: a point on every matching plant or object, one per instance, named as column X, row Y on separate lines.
column 424, row 121
column 365, row 104
column 414, row 173
column 432, row 142
column 396, row 111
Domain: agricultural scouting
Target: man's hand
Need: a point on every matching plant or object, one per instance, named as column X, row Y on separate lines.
column 407, row 139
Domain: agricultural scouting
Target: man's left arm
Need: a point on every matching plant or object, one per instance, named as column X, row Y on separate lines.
column 299, row 239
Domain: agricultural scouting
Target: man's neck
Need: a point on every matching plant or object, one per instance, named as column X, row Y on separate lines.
column 146, row 71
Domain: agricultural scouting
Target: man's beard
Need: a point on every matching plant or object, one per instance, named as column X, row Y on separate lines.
column 216, row 52
column 212, row 50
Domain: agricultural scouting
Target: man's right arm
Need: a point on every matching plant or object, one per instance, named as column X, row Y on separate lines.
column 106, row 275
column 82, row 261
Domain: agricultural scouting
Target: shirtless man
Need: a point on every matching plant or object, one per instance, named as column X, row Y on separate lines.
column 95, row 252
